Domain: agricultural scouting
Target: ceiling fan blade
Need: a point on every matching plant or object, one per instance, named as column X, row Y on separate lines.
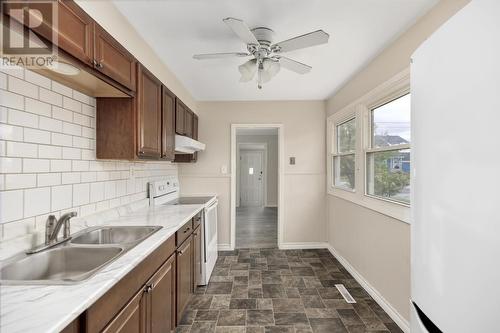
column 311, row 39
column 220, row 55
column 241, row 30
column 294, row 66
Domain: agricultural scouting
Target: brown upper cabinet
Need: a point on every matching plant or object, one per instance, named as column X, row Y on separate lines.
column 168, row 124
column 112, row 59
column 149, row 112
column 180, row 111
column 78, row 35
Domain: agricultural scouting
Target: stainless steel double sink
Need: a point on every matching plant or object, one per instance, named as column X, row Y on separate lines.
column 82, row 256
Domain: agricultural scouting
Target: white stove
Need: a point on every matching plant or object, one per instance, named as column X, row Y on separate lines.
column 166, row 192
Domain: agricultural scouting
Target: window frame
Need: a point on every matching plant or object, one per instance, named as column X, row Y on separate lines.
column 335, row 153
column 393, row 88
column 369, row 149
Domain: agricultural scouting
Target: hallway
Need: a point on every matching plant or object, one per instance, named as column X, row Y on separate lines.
column 256, row 227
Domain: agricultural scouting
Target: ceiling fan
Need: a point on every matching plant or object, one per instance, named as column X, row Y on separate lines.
column 267, row 59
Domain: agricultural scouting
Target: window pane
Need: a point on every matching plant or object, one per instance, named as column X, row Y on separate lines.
column 343, row 171
column 391, row 123
column 388, row 175
column 346, row 136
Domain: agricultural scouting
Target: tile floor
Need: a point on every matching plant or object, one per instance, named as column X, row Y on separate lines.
column 256, row 227
column 276, row 291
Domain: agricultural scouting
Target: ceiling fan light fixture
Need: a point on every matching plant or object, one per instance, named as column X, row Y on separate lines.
column 248, row 70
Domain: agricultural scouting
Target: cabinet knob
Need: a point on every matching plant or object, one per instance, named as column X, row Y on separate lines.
column 187, row 229
column 100, row 65
column 148, row 289
column 180, row 252
column 94, row 62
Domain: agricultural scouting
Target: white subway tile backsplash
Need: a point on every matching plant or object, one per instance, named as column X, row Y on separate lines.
column 35, row 106
column 3, row 81
column 36, row 136
column 19, row 180
column 59, row 139
column 62, row 89
column 71, row 104
column 22, row 87
column 50, row 124
column 71, row 153
column 70, row 177
column 60, row 165
column 49, row 151
column 81, row 194
column 97, row 192
column 80, row 166
column 35, row 165
column 48, row 160
column 21, row 118
column 62, row 114
column 49, row 179
column 18, row 149
column 13, row 70
column 81, row 119
column 88, row 177
column 36, row 201
column 62, row 197
column 11, row 100
column 73, row 129
column 51, row 97
column 11, row 206
column 8, row 132
column 81, row 142
column 81, row 97
column 37, row 79
column 10, row 165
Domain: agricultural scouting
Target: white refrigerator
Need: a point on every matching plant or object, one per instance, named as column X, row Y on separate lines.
column 455, row 260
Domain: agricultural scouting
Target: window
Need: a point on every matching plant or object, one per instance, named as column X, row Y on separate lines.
column 344, row 156
column 388, row 156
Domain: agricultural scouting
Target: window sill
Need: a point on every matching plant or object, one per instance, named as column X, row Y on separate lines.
column 395, row 210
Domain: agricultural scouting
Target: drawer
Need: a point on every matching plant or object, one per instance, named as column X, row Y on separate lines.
column 197, row 220
column 183, row 232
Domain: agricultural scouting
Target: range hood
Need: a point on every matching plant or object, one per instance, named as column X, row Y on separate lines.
column 186, row 145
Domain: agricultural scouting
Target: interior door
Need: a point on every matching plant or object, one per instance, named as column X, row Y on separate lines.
column 251, row 175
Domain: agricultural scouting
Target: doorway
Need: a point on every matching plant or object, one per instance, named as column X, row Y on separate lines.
column 255, row 194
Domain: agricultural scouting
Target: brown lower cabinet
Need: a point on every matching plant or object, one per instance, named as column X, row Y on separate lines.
column 153, row 296
column 185, row 285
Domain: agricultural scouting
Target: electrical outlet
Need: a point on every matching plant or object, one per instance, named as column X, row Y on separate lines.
column 292, row 160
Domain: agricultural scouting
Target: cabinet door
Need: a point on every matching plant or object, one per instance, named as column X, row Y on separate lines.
column 148, row 114
column 113, row 60
column 180, row 112
column 132, row 318
column 188, row 123
column 73, row 33
column 161, row 298
column 168, row 125
column 184, row 275
column 197, row 257
column 194, row 157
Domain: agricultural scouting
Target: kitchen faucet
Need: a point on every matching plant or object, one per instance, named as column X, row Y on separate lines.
column 52, row 228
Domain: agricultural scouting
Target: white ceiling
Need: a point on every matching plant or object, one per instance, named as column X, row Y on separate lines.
column 359, row 30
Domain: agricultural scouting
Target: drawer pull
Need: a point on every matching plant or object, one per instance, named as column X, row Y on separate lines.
column 187, row 229
column 180, row 252
column 148, row 289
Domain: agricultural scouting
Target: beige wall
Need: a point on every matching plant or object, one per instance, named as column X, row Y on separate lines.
column 108, row 16
column 271, row 160
column 377, row 246
column 304, row 182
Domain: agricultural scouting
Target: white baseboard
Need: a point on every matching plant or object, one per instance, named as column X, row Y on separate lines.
column 224, row 247
column 388, row 308
column 305, row 245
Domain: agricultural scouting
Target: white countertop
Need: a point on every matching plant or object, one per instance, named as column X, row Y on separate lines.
column 50, row 308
